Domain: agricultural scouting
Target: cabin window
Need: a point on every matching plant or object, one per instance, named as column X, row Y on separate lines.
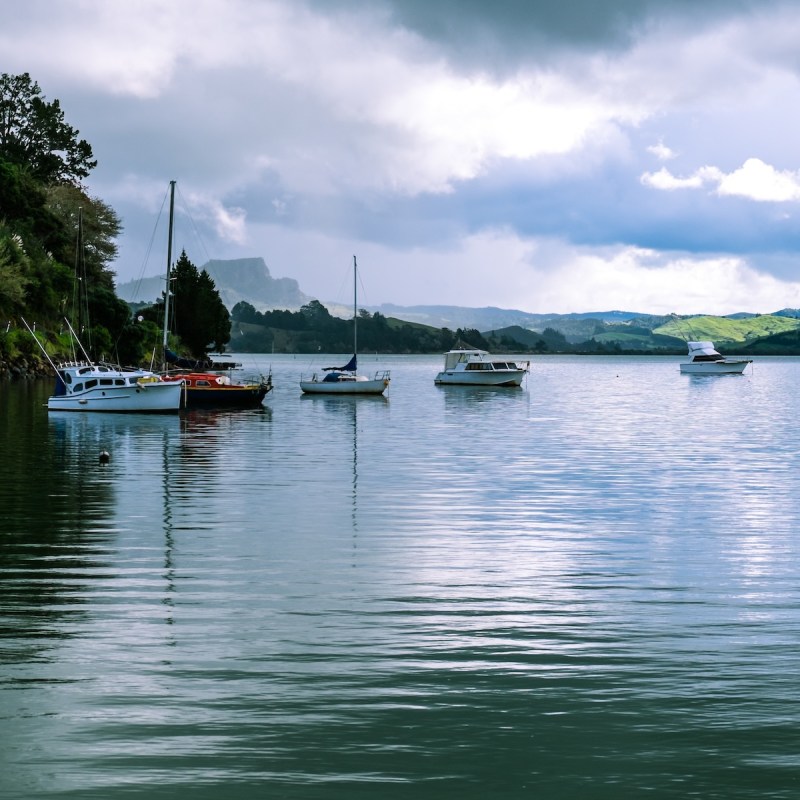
column 84, row 370
column 67, row 377
column 78, row 387
column 202, row 383
column 132, row 381
column 119, row 382
column 106, row 382
column 91, row 384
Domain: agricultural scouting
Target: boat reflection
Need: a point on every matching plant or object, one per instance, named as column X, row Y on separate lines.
column 344, row 412
column 461, row 398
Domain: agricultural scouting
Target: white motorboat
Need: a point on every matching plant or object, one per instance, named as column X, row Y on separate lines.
column 473, row 367
column 705, row 360
column 83, row 386
column 88, row 385
column 346, row 380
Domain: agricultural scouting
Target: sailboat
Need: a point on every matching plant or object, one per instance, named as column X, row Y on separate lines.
column 205, row 383
column 83, row 384
column 346, row 380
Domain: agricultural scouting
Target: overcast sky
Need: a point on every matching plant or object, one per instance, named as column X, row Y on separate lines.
column 562, row 156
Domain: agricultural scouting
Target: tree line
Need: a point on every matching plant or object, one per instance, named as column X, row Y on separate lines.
column 313, row 328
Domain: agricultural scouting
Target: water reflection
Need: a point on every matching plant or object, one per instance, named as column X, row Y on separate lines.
column 341, row 426
column 458, row 396
column 580, row 589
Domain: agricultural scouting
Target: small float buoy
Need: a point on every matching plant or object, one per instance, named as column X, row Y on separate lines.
column 104, row 457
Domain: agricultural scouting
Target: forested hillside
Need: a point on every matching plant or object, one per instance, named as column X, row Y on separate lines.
column 57, row 247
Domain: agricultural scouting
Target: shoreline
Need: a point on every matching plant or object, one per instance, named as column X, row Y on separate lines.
column 24, row 368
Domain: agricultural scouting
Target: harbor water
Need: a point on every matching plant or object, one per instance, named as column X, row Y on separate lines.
column 587, row 587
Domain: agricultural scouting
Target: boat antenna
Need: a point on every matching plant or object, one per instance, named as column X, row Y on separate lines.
column 169, row 268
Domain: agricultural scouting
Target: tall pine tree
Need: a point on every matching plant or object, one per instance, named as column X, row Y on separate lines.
column 199, row 316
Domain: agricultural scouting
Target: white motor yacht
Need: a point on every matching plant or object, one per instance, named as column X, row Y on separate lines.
column 473, row 367
column 82, row 386
column 705, row 360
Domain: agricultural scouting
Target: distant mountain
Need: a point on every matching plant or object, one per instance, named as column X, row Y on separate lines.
column 491, row 318
column 249, row 279
column 238, row 279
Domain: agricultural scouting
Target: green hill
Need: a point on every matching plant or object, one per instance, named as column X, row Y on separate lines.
column 726, row 330
column 781, row 344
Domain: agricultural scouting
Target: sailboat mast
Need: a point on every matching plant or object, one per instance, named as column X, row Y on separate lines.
column 355, row 306
column 169, row 265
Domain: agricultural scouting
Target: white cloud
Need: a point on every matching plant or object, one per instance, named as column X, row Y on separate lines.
column 761, row 182
column 633, row 279
column 666, row 181
column 754, row 180
column 661, row 151
column 390, row 113
column 536, row 275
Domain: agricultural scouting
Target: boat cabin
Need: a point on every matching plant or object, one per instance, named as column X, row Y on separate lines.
column 474, row 360
column 704, row 351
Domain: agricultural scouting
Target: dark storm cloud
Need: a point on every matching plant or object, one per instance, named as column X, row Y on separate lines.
column 502, row 34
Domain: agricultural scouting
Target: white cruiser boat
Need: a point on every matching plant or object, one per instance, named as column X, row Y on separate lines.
column 473, row 367
column 82, row 386
column 705, row 360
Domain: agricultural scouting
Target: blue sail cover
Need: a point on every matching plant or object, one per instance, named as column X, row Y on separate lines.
column 186, row 363
column 350, row 366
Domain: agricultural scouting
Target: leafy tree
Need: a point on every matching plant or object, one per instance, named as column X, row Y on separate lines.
column 245, row 312
column 101, row 226
column 34, row 134
column 13, row 267
column 316, row 313
column 472, row 337
column 23, row 206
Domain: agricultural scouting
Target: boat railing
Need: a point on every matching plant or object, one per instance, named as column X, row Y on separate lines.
column 383, row 375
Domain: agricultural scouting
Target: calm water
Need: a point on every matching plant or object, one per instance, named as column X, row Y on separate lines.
column 585, row 588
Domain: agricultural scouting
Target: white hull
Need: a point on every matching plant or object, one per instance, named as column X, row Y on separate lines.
column 481, row 378
column 466, row 366
column 704, row 359
column 150, row 397
column 715, row 367
column 360, row 386
column 100, row 387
